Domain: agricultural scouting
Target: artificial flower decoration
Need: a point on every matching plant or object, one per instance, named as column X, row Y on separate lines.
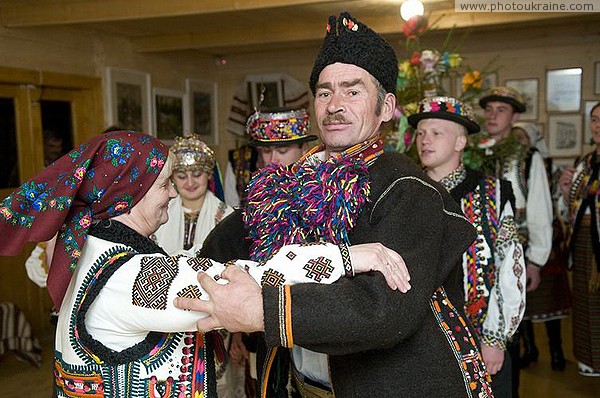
column 428, row 72
column 415, row 26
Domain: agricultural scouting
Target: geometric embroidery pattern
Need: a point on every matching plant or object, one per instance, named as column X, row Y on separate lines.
column 190, row 291
column 305, row 244
column 291, row 255
column 272, row 278
column 199, row 264
column 318, row 268
column 345, row 252
column 152, row 283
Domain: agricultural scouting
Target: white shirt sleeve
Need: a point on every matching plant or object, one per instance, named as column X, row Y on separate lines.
column 506, row 305
column 232, row 198
column 139, row 296
column 539, row 213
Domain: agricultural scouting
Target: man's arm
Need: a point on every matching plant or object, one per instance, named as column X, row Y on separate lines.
column 359, row 313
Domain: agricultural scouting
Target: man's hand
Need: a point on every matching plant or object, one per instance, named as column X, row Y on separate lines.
column 533, row 277
column 493, row 358
column 236, row 306
column 376, row 257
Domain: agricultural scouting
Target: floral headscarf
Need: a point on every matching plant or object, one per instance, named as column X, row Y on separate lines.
column 101, row 178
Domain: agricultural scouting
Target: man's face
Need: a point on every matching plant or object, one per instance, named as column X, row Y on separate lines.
column 346, row 106
column 439, row 143
column 499, row 118
column 284, row 155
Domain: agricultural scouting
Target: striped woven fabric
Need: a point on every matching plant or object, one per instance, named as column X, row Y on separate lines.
column 586, row 303
column 16, row 335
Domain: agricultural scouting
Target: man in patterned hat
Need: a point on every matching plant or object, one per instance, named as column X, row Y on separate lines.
column 356, row 337
column 493, row 265
column 280, row 136
column 508, row 159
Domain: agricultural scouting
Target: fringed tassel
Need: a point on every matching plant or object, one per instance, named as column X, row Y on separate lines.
column 314, row 202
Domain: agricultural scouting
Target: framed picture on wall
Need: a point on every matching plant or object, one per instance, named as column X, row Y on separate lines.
column 168, row 113
column 529, row 89
column 563, row 90
column 489, row 80
column 266, row 91
column 127, row 97
column 564, row 135
column 201, row 110
column 587, row 125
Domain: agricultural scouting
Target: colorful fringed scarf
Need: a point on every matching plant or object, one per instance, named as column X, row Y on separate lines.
column 308, row 201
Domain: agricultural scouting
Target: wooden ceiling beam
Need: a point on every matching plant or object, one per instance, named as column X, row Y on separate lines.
column 306, row 31
column 31, row 13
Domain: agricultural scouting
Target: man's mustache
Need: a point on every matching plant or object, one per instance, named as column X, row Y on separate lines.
column 335, row 117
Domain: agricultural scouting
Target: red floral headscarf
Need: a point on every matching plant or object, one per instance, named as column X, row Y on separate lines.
column 102, row 178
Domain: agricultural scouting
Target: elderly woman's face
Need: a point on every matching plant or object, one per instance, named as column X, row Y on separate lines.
column 151, row 211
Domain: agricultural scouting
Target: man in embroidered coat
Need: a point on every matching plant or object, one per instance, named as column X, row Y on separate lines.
column 493, row 265
column 377, row 342
column 508, row 159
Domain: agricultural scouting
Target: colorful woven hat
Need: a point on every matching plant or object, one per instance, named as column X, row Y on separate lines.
column 504, row 94
column 192, row 154
column 351, row 42
column 446, row 108
column 279, row 128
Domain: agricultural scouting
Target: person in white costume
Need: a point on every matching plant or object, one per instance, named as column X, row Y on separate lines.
column 196, row 211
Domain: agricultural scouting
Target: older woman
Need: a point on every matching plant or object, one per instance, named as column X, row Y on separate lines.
column 581, row 193
column 118, row 332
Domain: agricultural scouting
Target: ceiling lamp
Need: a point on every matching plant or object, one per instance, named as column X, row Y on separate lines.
column 411, row 8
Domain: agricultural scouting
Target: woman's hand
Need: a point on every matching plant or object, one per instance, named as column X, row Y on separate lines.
column 565, row 181
column 376, row 257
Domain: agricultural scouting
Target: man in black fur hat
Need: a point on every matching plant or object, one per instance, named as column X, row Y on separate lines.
column 356, row 337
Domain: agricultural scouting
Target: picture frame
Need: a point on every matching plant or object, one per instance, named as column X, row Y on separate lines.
column 458, row 86
column 201, row 111
column 489, row 80
column 168, row 106
column 564, row 135
column 266, row 90
column 597, row 78
column 128, row 99
column 563, row 90
column 587, row 125
column 529, row 88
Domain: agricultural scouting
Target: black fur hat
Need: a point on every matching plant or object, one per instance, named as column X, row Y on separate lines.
column 351, row 42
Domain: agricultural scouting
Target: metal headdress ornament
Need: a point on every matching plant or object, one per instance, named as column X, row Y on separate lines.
column 192, row 154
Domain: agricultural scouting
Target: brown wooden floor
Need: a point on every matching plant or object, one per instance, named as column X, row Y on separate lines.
column 20, row 380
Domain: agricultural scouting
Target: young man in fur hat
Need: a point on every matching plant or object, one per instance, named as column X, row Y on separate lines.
column 508, row 159
column 493, row 265
column 356, row 337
